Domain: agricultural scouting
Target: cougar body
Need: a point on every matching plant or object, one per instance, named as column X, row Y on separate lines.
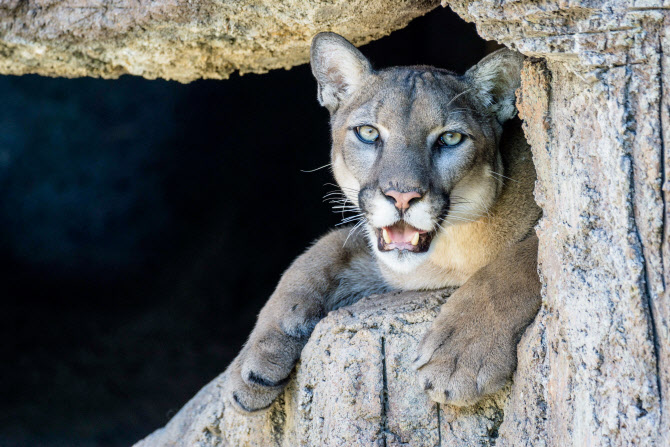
column 440, row 179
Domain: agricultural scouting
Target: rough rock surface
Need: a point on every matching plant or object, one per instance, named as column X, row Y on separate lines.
column 353, row 387
column 182, row 40
column 594, row 368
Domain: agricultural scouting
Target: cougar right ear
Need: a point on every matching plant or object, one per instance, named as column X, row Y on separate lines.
column 339, row 68
column 495, row 79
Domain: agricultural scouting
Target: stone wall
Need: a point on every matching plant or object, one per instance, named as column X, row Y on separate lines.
column 594, row 367
column 182, row 40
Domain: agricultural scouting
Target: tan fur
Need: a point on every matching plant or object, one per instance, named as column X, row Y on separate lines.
column 461, row 250
column 471, row 349
column 475, row 199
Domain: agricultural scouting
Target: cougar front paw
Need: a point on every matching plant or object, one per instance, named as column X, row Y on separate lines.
column 249, row 391
column 465, row 355
column 260, row 372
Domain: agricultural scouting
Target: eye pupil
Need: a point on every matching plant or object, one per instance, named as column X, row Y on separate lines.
column 449, row 139
column 367, row 134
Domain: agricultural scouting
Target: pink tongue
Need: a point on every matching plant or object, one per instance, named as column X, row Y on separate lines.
column 399, row 233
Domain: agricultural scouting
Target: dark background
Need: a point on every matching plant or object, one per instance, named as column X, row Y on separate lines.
column 143, row 224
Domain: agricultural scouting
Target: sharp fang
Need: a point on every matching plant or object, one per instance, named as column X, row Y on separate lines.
column 415, row 239
column 385, row 235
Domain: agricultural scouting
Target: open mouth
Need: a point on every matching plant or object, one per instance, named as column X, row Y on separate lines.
column 402, row 236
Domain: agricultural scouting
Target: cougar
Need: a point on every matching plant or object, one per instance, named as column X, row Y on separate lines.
column 440, row 179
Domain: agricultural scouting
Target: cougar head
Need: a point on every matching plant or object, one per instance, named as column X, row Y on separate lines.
column 414, row 149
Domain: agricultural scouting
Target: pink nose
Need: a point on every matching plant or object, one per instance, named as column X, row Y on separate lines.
column 402, row 199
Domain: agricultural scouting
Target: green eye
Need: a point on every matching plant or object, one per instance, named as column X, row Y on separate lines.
column 367, row 134
column 450, row 139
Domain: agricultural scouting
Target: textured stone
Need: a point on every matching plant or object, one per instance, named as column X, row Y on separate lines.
column 353, row 387
column 594, row 368
column 182, row 40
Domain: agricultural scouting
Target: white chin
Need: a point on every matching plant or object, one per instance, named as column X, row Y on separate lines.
column 401, row 261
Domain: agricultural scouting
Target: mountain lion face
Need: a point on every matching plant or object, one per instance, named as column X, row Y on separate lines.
column 415, row 149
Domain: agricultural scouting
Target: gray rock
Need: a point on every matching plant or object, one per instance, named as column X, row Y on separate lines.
column 182, row 40
column 353, row 387
column 594, row 368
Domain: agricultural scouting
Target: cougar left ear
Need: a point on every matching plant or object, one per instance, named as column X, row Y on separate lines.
column 495, row 79
column 339, row 68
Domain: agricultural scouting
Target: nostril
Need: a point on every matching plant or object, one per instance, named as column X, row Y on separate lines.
column 414, row 199
column 393, row 196
column 402, row 200
column 390, row 197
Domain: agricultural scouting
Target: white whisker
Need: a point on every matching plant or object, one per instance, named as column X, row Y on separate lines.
column 457, row 96
column 335, row 194
column 351, row 219
column 438, row 224
column 346, row 208
column 341, row 187
column 314, row 170
column 503, row 176
column 459, row 218
column 363, row 220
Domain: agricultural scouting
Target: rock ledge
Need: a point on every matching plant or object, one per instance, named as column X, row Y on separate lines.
column 353, row 387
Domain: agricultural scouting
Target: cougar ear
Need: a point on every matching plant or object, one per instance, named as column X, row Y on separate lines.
column 495, row 79
column 339, row 68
